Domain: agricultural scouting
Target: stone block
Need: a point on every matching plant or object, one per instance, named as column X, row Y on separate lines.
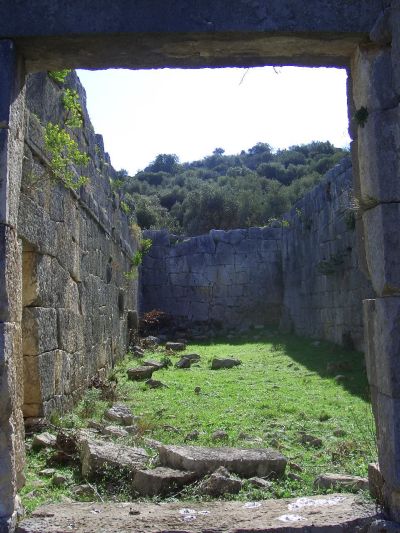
column 395, row 16
column 10, row 276
column 70, row 330
column 382, row 333
column 39, row 330
column 379, row 161
column 387, row 419
column 382, row 246
column 39, row 377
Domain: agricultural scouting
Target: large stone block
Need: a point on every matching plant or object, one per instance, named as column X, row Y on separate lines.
column 379, row 160
column 387, row 418
column 70, row 330
column 10, row 275
column 382, row 246
column 39, row 330
column 395, row 26
column 382, row 333
column 39, row 377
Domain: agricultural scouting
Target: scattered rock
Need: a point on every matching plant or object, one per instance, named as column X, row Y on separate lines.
column 150, row 341
column 84, row 491
column 155, row 384
column 193, row 357
column 115, row 431
column 246, row 462
column 97, row 457
column 98, row 426
column 197, row 390
column 310, row 440
column 184, row 363
column 376, row 483
column 59, row 480
column 161, row 481
column 152, row 443
column 47, row 472
column 333, row 481
column 44, row 440
column 339, row 432
column 220, row 434
column 121, row 414
column 220, row 482
column 138, row 351
column 35, row 424
column 193, row 435
column 140, row 373
column 295, row 467
column 260, row 483
column 294, row 477
column 67, row 442
column 217, row 364
column 175, row 346
column 157, row 365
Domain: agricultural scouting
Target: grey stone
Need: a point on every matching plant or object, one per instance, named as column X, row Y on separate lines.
column 99, row 457
column 241, row 461
column 43, row 440
column 260, row 483
column 140, row 373
column 157, row 365
column 161, row 481
column 217, row 364
column 310, row 440
column 150, row 341
column 175, row 346
column 376, row 483
column 332, row 481
column 115, row 431
column 384, row 526
column 155, row 384
column 85, row 491
column 219, row 483
column 120, row 413
column 58, row 480
column 220, row 434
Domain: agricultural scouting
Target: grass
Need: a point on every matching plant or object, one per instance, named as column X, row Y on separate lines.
column 285, row 386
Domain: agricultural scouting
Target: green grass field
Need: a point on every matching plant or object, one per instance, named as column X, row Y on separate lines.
column 285, row 386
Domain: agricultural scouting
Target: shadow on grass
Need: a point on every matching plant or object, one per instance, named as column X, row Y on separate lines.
column 326, row 359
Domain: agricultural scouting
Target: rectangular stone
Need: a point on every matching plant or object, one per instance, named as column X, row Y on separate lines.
column 10, row 275
column 382, row 246
column 39, row 377
column 70, row 330
column 382, row 333
column 39, row 330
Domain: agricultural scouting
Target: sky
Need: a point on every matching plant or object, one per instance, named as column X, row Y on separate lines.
column 189, row 113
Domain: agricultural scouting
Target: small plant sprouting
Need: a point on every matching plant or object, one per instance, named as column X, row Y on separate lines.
column 73, row 108
column 64, row 153
column 361, row 116
column 59, row 76
column 137, row 258
column 125, row 208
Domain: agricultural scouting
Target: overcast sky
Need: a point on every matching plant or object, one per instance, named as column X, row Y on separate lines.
column 191, row 112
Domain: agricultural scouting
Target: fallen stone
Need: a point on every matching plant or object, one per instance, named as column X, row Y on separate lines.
column 193, row 435
column 310, row 440
column 332, row 481
column 58, row 480
column 376, row 483
column 175, row 346
column 161, row 481
column 155, row 384
column 220, row 434
column 219, row 483
column 150, row 341
column 84, row 491
column 183, row 363
column 44, row 440
column 157, row 365
column 152, row 443
column 217, row 364
column 260, row 483
column 384, row 526
column 138, row 351
column 97, row 457
column 245, row 462
column 337, row 512
column 294, row 477
column 140, row 373
column 47, row 472
column 115, row 431
column 121, row 414
column 197, row 390
column 98, row 426
column 295, row 467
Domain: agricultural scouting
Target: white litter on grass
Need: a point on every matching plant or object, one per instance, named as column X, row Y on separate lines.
column 290, row 518
column 301, row 503
column 251, row 505
column 186, row 511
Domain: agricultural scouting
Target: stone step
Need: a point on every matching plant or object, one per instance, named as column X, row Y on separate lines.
column 244, row 462
column 318, row 514
column 161, row 481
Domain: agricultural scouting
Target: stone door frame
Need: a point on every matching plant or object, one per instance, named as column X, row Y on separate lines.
column 355, row 35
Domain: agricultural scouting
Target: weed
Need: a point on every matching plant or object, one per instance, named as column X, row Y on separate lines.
column 74, row 118
column 59, row 76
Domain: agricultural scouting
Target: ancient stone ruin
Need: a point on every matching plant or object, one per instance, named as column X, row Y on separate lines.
column 66, row 308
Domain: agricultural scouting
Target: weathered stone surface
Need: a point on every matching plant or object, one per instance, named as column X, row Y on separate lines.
column 219, row 483
column 175, row 346
column 44, row 440
column 99, row 457
column 157, row 365
column 376, row 483
column 120, row 413
column 115, row 431
column 39, row 330
column 384, row 526
column 140, row 373
column 241, row 461
column 334, row 481
column 161, row 481
column 217, row 364
column 260, row 483
column 339, row 512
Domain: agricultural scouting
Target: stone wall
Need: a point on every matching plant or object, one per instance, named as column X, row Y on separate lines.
column 76, row 247
column 323, row 283
column 304, row 276
column 233, row 278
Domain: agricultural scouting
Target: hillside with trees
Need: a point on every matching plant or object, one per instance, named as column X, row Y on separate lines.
column 253, row 188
